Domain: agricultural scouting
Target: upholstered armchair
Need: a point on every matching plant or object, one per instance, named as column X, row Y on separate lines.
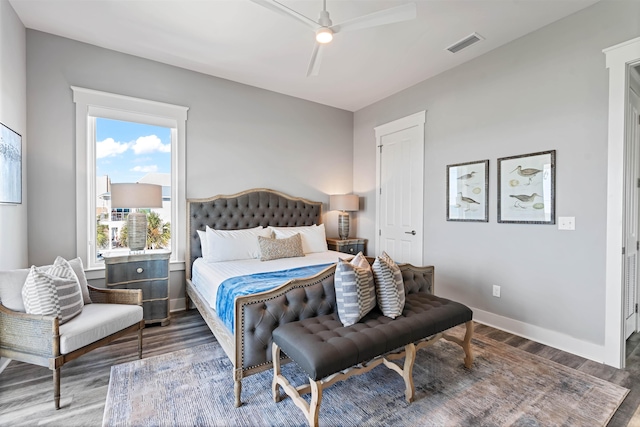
column 42, row 340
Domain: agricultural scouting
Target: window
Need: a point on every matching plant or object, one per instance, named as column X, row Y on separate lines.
column 128, row 152
column 125, row 139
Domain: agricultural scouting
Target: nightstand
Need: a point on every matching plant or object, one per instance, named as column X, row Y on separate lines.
column 147, row 271
column 352, row 245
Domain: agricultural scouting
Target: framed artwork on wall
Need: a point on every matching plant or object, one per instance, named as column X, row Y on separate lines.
column 526, row 188
column 468, row 191
column 10, row 166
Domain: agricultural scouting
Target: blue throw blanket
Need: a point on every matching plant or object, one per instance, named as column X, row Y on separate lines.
column 253, row 284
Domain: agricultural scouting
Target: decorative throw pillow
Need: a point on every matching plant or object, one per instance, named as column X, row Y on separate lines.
column 389, row 286
column 314, row 238
column 78, row 268
column 51, row 295
column 280, row 248
column 355, row 289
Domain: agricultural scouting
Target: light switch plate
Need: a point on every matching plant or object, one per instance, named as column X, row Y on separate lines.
column 566, row 223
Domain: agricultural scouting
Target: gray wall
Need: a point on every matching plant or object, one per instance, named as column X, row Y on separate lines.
column 238, row 137
column 13, row 113
column 547, row 90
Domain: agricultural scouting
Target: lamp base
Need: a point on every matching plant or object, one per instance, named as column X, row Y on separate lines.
column 137, row 231
column 343, row 225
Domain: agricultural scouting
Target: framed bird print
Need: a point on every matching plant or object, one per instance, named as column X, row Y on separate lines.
column 526, row 188
column 468, row 191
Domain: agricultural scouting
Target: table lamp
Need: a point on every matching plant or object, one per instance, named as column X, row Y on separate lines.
column 136, row 196
column 345, row 203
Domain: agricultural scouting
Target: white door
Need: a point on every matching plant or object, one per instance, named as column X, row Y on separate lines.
column 632, row 167
column 399, row 192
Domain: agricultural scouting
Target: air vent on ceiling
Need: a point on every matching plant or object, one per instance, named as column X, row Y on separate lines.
column 465, row 42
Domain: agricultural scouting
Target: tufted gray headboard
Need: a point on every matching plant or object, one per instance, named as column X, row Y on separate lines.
column 248, row 209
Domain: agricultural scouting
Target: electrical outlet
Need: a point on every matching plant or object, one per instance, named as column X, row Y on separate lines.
column 566, row 223
column 496, row 291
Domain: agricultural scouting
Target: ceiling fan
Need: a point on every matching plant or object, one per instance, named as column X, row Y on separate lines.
column 325, row 29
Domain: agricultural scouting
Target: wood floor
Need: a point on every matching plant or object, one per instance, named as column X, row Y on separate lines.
column 26, row 391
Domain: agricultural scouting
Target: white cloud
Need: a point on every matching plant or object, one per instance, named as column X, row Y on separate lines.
column 109, row 148
column 146, row 169
column 150, row 144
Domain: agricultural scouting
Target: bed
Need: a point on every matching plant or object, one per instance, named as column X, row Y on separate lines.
column 255, row 316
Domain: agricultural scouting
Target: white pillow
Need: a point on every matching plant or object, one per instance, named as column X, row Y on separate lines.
column 204, row 247
column 314, row 238
column 229, row 245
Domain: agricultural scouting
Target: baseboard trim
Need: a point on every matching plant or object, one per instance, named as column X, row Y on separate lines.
column 4, row 362
column 554, row 339
column 177, row 304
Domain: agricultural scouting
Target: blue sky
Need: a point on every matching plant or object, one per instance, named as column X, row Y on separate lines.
column 127, row 151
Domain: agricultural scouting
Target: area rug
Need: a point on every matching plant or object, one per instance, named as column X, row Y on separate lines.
column 505, row 387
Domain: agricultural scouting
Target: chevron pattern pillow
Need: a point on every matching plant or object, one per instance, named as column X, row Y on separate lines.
column 53, row 292
column 389, row 286
column 355, row 289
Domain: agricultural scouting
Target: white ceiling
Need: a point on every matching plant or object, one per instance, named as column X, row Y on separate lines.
column 244, row 42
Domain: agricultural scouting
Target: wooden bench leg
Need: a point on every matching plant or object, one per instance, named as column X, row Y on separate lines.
column 466, row 345
column 316, row 399
column 56, row 387
column 275, row 387
column 407, row 372
column 140, row 344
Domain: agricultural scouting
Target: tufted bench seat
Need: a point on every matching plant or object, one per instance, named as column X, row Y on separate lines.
column 328, row 351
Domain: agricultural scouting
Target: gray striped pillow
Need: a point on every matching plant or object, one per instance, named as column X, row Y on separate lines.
column 355, row 290
column 389, row 286
column 55, row 292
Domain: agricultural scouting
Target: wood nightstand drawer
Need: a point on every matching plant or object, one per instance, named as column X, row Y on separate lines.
column 352, row 249
column 137, row 270
column 152, row 289
column 348, row 246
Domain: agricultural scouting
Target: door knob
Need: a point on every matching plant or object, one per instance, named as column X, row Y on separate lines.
column 412, row 232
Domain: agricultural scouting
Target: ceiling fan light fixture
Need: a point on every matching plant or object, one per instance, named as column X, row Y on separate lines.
column 324, row 35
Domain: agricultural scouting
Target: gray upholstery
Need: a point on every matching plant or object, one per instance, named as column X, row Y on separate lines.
column 261, row 317
column 322, row 346
column 247, row 210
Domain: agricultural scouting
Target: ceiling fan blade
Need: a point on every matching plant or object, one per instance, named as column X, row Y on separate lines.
column 316, row 58
column 283, row 10
column 405, row 12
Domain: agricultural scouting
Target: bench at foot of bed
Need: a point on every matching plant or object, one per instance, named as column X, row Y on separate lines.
column 329, row 352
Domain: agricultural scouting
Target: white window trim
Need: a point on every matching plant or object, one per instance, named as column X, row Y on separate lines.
column 119, row 107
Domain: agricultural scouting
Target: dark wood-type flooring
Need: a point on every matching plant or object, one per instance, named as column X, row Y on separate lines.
column 26, row 391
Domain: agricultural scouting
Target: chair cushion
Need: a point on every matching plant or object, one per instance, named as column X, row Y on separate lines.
column 96, row 322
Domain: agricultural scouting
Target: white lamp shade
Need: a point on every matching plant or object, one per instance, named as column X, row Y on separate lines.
column 136, row 196
column 344, row 202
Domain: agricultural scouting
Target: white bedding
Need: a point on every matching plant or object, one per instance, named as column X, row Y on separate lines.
column 207, row 276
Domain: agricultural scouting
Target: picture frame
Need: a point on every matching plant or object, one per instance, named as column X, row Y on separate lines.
column 10, row 166
column 526, row 188
column 468, row 191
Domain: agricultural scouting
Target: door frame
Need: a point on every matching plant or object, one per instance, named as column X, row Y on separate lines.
column 417, row 119
column 619, row 59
